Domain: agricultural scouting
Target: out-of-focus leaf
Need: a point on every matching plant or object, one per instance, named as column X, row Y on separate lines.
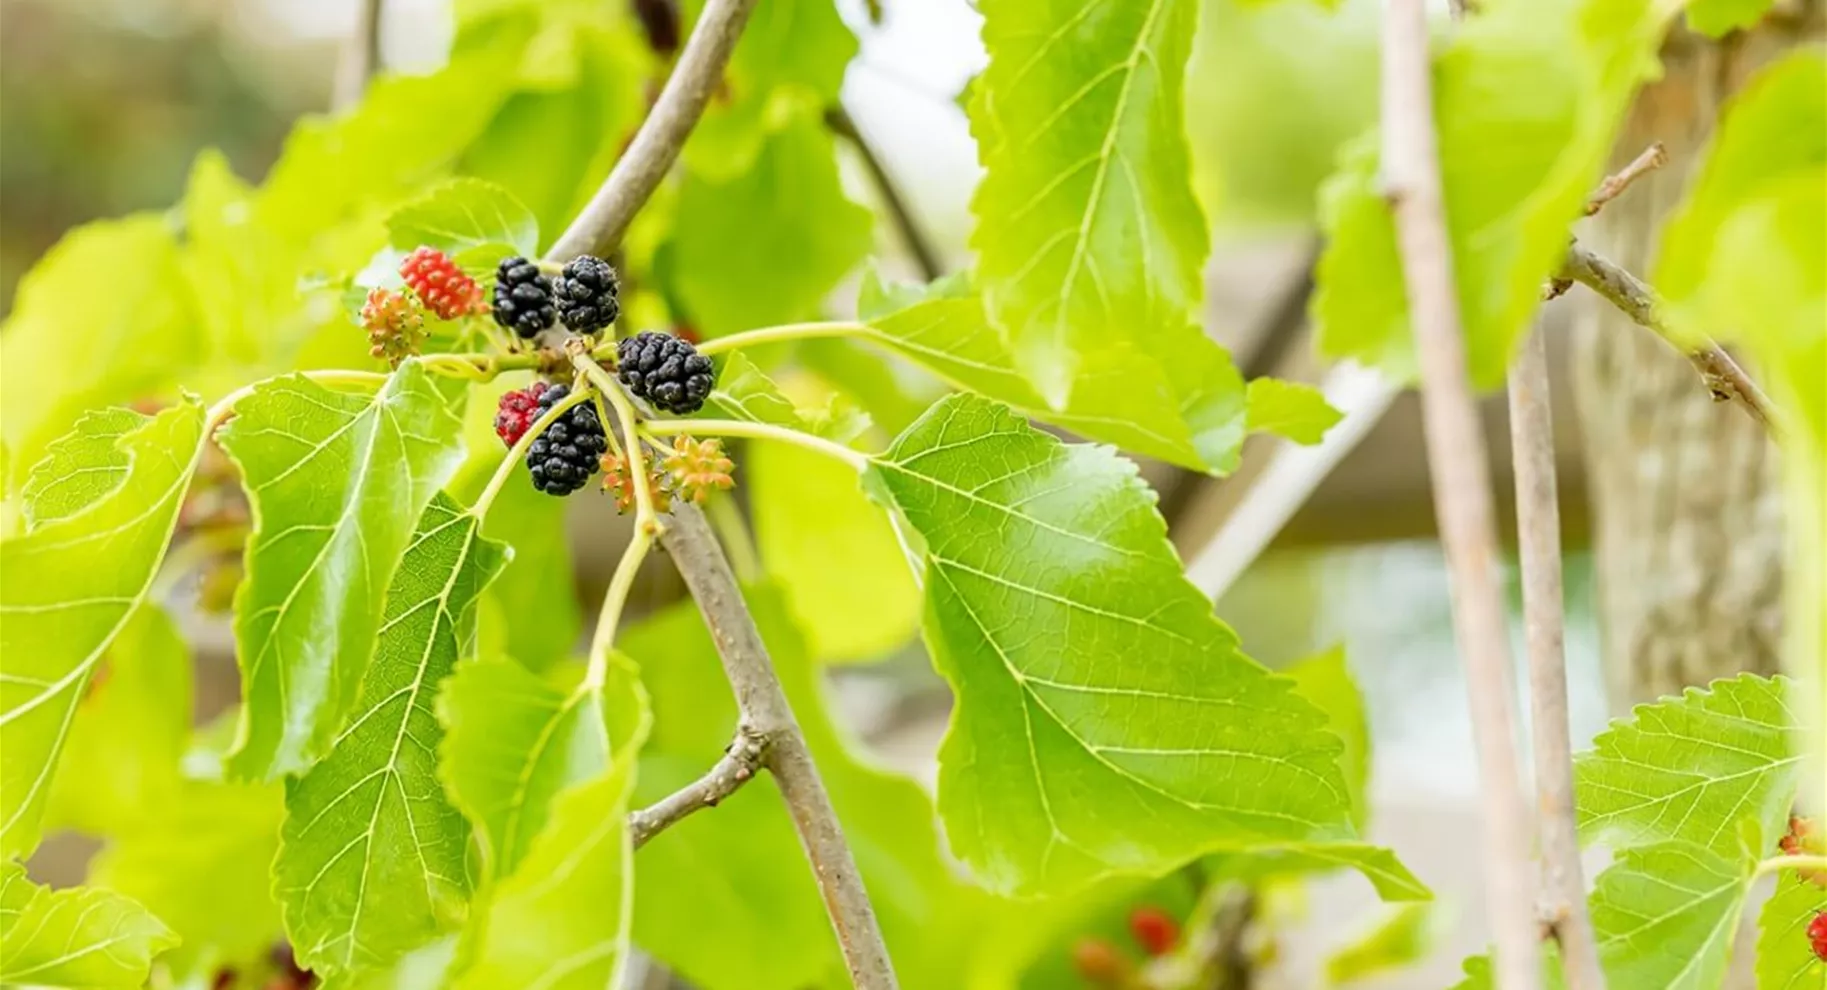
column 66, row 591
column 1401, row 938
column 1785, row 958
column 74, row 938
column 463, row 216
column 1325, row 680
column 1294, row 410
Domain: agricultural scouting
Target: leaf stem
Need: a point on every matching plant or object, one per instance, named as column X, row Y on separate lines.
column 518, row 452
column 1777, row 863
column 755, row 431
column 645, row 518
column 783, row 333
column 614, row 600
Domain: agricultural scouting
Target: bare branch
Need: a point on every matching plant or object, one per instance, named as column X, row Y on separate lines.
column 1722, row 375
column 1653, row 157
column 740, row 762
column 1462, row 489
column 656, row 145
column 693, row 547
column 1562, row 902
column 361, row 57
column 843, row 125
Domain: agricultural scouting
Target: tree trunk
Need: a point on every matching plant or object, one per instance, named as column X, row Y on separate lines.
column 1685, row 496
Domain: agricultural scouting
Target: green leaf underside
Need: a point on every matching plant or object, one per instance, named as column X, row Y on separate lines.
column 81, row 937
column 66, row 591
column 1528, row 100
column 1183, row 404
column 1106, row 720
column 80, row 467
column 373, row 859
column 1087, row 232
column 226, row 833
column 463, row 215
column 1785, row 959
column 1392, row 880
column 1692, row 768
column 745, row 392
column 337, row 481
column 1665, row 915
column 545, row 775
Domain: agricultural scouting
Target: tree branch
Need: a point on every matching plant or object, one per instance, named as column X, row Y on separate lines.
column 694, row 550
column 656, row 145
column 688, row 537
column 361, row 57
column 1462, row 489
column 843, row 125
column 1562, row 900
column 744, row 758
column 1653, row 157
column 1723, row 377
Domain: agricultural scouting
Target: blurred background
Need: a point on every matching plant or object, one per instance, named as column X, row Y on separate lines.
column 105, row 103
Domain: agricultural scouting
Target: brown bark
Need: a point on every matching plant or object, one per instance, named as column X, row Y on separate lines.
column 1687, row 510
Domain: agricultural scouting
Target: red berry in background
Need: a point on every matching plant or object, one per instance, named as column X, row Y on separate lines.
column 1817, row 936
column 1098, row 961
column 440, row 285
column 516, row 412
column 1154, row 930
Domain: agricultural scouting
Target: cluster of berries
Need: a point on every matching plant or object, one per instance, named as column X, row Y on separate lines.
column 575, row 446
column 586, row 296
column 1102, row 964
column 395, row 321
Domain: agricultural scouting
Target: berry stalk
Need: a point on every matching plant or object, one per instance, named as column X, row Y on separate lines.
column 783, row 333
column 614, row 600
column 645, row 518
column 755, row 431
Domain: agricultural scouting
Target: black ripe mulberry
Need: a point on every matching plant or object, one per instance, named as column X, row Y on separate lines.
column 588, row 294
column 562, row 459
column 523, row 298
column 665, row 371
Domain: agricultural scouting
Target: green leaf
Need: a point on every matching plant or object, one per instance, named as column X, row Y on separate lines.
column 1181, row 400
column 1324, row 679
column 250, row 298
column 513, row 741
column 560, row 916
column 80, row 468
column 147, row 312
column 841, row 566
column 1665, row 915
column 1392, row 880
column 1403, row 936
column 1088, row 233
column 66, row 591
column 1478, row 971
column 464, row 215
column 735, row 877
column 731, row 236
column 373, row 859
column 1106, row 721
column 74, row 938
column 744, row 392
column 1528, row 98
column 1785, row 959
column 403, row 133
column 337, row 481
column 121, row 763
column 226, row 833
column 1717, row 18
column 1294, row 410
column 1693, row 768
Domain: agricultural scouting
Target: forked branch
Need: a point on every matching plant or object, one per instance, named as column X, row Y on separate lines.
column 765, row 716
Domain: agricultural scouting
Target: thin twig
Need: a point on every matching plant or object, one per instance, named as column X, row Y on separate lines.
column 1562, row 901
column 656, row 145
column 1652, row 158
column 744, row 758
column 688, row 538
column 361, row 57
column 843, row 125
column 1722, row 376
column 1461, row 486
